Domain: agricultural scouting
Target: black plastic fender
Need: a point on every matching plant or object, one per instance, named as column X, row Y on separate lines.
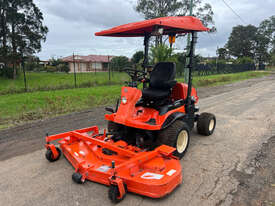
column 172, row 118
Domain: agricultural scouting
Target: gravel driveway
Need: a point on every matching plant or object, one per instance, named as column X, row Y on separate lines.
column 213, row 168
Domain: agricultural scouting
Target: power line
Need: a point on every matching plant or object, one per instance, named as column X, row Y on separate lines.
column 234, row 11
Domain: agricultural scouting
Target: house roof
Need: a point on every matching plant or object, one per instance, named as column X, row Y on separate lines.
column 89, row 58
column 171, row 25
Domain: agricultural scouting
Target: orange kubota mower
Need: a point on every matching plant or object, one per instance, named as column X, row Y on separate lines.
column 148, row 131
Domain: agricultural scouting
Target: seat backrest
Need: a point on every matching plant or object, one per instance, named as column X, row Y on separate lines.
column 161, row 74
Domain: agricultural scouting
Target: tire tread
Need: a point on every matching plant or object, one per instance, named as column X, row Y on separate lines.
column 203, row 123
column 169, row 135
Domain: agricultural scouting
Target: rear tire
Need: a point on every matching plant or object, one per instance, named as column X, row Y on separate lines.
column 176, row 135
column 206, row 124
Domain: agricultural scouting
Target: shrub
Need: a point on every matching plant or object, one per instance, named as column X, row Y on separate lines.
column 30, row 66
column 7, row 72
column 63, row 68
column 119, row 63
column 51, row 68
column 244, row 60
column 58, row 68
column 40, row 68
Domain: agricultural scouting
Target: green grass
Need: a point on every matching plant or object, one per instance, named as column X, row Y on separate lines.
column 37, row 105
column 215, row 80
column 270, row 68
column 56, row 81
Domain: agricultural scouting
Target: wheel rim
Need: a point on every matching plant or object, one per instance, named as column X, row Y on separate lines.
column 182, row 141
column 211, row 125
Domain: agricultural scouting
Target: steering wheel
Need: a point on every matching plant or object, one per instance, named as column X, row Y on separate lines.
column 136, row 75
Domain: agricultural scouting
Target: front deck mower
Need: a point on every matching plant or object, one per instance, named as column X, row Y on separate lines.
column 148, row 131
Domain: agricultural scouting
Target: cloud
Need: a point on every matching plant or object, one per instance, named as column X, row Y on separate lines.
column 102, row 13
column 72, row 24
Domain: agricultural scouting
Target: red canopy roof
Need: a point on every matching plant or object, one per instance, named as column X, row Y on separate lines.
column 171, row 25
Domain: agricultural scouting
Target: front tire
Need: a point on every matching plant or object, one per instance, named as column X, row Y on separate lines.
column 176, row 135
column 206, row 124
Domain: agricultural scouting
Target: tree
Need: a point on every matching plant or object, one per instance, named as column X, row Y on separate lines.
column 261, row 47
column 161, row 53
column 3, row 31
column 161, row 8
column 241, row 42
column 158, row 8
column 137, row 57
column 251, row 41
column 119, row 63
column 222, row 53
column 22, row 29
column 267, row 28
column 181, row 60
column 272, row 59
column 55, row 61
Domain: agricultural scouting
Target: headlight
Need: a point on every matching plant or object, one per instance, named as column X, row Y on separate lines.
column 124, row 100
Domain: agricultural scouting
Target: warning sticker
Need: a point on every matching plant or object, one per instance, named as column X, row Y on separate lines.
column 171, row 172
column 103, row 168
column 151, row 176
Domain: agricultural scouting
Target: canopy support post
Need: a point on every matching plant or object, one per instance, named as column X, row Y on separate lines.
column 190, row 66
column 146, row 50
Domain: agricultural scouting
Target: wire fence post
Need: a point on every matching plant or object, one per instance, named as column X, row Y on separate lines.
column 109, row 68
column 74, row 72
column 95, row 67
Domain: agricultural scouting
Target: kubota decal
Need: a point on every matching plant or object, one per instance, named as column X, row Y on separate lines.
column 171, row 172
column 151, row 176
column 103, row 168
column 81, row 152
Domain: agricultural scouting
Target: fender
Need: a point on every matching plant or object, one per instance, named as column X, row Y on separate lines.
column 172, row 118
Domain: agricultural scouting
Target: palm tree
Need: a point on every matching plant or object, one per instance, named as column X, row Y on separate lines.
column 162, row 53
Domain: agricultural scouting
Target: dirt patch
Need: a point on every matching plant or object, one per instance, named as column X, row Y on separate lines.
column 257, row 184
column 30, row 137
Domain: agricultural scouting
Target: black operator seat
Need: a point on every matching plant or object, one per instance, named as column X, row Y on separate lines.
column 162, row 80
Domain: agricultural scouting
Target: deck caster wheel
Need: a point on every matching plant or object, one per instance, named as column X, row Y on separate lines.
column 206, row 124
column 49, row 155
column 77, row 178
column 114, row 194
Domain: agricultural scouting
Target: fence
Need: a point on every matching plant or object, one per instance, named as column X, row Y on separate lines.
column 46, row 81
column 210, row 69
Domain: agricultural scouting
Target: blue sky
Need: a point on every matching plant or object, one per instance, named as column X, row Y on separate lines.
column 72, row 24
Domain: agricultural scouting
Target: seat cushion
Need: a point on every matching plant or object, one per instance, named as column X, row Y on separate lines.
column 152, row 93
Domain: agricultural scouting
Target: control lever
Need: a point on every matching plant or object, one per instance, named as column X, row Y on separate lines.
column 109, row 109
